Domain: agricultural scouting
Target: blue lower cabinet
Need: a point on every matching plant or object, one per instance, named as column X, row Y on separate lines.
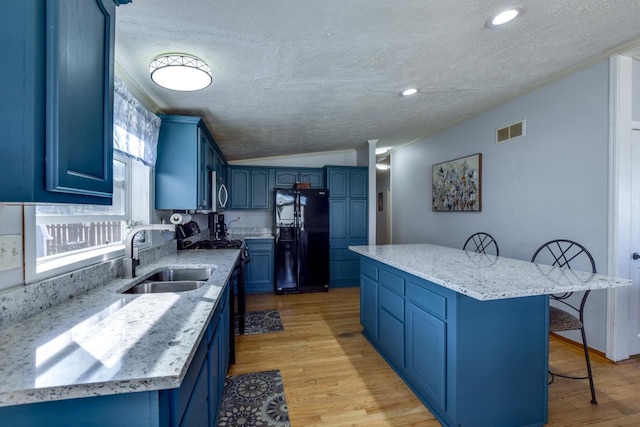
column 344, row 268
column 216, row 376
column 369, row 307
column 195, row 403
column 426, row 338
column 197, row 412
column 259, row 271
column 391, row 337
column 143, row 409
column 181, row 398
column 472, row 363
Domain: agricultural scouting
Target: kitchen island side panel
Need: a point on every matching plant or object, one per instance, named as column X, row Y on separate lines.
column 501, row 358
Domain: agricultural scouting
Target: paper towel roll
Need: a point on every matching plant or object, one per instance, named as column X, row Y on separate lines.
column 178, row 218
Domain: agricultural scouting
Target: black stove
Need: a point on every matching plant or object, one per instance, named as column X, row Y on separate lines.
column 213, row 244
column 238, row 278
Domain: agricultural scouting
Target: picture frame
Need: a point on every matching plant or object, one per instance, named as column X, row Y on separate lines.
column 457, row 185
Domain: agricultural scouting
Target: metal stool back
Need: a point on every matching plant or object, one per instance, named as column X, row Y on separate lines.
column 482, row 243
column 565, row 253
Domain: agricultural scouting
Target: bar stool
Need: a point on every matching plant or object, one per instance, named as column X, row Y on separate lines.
column 564, row 253
column 482, row 243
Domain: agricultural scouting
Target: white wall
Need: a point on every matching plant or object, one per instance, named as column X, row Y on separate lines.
column 636, row 90
column 11, row 224
column 551, row 183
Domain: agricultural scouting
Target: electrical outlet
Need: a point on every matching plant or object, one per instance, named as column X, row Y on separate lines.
column 10, row 252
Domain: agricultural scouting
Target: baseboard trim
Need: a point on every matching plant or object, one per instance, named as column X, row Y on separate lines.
column 592, row 352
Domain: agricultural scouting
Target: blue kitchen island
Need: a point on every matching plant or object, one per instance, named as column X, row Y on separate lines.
column 467, row 332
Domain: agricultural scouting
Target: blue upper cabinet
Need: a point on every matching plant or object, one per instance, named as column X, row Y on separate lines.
column 288, row 177
column 251, row 187
column 240, row 185
column 57, row 101
column 187, row 158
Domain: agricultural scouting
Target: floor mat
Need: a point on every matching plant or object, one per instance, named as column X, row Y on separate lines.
column 254, row 399
column 261, row 322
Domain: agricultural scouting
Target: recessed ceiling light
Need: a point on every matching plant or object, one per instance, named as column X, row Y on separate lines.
column 180, row 72
column 382, row 150
column 382, row 167
column 505, row 16
column 409, row 92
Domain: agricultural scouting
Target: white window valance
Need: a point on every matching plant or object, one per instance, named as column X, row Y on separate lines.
column 135, row 128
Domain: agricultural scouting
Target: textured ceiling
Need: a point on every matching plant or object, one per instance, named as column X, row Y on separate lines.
column 300, row 76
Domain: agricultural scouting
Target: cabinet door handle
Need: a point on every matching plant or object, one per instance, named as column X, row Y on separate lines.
column 223, row 195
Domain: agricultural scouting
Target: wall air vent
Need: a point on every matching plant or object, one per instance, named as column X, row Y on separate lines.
column 510, row 132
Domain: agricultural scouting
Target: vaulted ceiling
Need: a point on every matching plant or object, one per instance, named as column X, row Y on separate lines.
column 298, row 76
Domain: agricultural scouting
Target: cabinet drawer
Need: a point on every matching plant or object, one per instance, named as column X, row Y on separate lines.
column 392, row 282
column 432, row 302
column 391, row 302
column 260, row 245
column 369, row 270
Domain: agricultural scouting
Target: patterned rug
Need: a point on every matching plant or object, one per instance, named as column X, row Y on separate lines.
column 261, row 322
column 255, row 399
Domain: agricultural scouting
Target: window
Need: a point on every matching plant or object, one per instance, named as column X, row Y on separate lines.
column 68, row 237
column 64, row 229
column 62, row 238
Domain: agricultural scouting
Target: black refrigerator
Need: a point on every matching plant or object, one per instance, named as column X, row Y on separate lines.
column 301, row 229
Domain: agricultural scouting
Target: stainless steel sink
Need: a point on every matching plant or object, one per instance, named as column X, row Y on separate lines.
column 178, row 274
column 166, row 286
column 172, row 280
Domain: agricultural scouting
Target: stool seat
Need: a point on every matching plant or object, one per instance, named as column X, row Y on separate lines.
column 560, row 320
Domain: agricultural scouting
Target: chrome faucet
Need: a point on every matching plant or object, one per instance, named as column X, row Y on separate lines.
column 131, row 259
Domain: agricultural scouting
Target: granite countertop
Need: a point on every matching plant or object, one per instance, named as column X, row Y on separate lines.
column 485, row 277
column 104, row 342
column 243, row 233
column 258, row 237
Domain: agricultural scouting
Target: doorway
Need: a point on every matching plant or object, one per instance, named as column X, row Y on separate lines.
column 383, row 209
column 634, row 267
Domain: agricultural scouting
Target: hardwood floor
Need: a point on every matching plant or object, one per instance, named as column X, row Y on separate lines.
column 333, row 377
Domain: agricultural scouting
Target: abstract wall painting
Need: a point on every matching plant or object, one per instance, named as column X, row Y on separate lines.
column 457, row 185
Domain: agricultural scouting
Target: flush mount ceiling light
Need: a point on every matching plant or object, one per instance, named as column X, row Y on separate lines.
column 409, row 92
column 505, row 16
column 382, row 167
column 382, row 150
column 180, row 72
